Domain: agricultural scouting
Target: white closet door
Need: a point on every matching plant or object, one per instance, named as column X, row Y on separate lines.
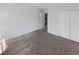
column 75, row 25
column 64, row 24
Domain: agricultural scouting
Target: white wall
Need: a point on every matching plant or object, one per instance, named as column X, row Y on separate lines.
column 52, row 21
column 64, row 24
column 42, row 21
column 54, row 15
column 18, row 19
column 75, row 25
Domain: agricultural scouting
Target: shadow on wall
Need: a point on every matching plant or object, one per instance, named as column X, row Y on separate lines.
column 3, row 45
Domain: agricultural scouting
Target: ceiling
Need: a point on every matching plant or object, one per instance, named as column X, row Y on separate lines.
column 46, row 5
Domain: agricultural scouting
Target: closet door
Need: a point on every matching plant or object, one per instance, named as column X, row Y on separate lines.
column 75, row 25
column 64, row 24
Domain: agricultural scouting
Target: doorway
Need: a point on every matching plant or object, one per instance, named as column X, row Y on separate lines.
column 45, row 18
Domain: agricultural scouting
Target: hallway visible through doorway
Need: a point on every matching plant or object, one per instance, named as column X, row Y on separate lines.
column 46, row 17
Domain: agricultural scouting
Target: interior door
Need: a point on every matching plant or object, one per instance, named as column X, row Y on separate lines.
column 75, row 25
column 64, row 24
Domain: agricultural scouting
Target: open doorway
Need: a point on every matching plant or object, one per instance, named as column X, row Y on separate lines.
column 45, row 18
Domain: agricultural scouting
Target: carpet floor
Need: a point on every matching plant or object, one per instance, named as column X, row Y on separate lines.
column 40, row 42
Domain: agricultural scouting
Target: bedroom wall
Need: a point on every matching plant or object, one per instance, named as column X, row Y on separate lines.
column 53, row 14
column 53, row 17
column 18, row 19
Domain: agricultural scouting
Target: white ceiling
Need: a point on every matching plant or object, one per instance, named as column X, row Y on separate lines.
column 40, row 5
column 46, row 5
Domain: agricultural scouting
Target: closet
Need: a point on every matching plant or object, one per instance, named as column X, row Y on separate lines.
column 69, row 24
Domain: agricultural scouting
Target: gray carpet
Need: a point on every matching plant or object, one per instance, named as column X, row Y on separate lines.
column 41, row 43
